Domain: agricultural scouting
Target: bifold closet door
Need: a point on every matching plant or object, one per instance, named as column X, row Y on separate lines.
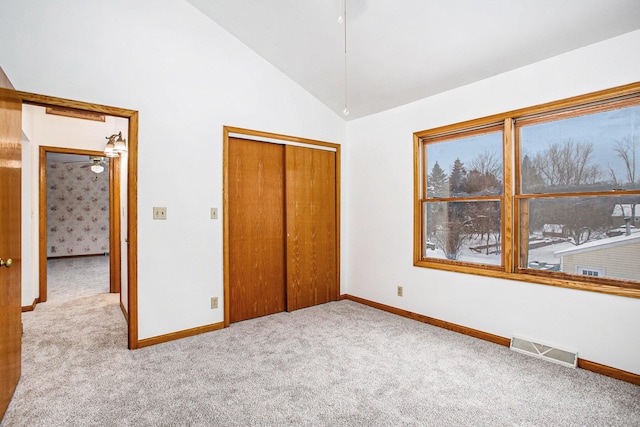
column 256, row 229
column 311, row 225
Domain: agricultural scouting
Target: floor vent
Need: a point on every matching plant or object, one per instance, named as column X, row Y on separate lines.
column 546, row 352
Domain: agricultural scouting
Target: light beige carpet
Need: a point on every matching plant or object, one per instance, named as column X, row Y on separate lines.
column 338, row 364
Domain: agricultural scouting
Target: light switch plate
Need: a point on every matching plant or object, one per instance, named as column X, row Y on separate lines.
column 159, row 213
column 214, row 213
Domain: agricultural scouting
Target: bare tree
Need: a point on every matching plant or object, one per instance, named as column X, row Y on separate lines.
column 487, row 163
column 485, row 220
column 626, row 149
column 452, row 237
column 567, row 164
column 531, row 179
column 485, row 175
column 582, row 218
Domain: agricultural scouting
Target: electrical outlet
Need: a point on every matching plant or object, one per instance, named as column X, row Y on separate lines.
column 159, row 213
column 214, row 213
column 400, row 291
column 214, row 302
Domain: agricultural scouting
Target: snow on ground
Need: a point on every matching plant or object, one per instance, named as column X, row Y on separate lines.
column 543, row 254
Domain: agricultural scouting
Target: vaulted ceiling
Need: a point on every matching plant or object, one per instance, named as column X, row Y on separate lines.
column 399, row 51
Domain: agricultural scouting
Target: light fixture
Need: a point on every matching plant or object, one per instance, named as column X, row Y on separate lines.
column 97, row 168
column 342, row 19
column 97, row 164
column 115, row 145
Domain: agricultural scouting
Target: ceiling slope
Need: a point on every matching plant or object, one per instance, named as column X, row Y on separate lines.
column 402, row 51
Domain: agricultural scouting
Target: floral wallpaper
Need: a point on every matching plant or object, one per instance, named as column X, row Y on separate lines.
column 77, row 210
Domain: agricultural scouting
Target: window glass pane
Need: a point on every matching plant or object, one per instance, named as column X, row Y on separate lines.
column 593, row 236
column 593, row 152
column 469, row 166
column 463, row 231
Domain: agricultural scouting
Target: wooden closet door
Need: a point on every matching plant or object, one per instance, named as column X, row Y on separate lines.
column 256, row 229
column 311, row 250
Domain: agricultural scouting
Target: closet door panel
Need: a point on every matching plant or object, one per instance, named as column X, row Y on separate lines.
column 256, row 229
column 311, row 252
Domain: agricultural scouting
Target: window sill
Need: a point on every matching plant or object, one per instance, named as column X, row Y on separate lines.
column 630, row 292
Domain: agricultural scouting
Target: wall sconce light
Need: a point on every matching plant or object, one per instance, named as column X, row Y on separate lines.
column 115, row 145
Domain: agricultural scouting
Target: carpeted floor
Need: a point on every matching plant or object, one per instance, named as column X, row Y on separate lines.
column 338, row 364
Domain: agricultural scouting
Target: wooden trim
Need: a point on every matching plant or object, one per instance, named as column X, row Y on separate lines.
column 146, row 342
column 482, row 127
column 114, row 226
column 52, row 101
column 433, row 262
column 42, row 227
column 579, row 110
column 608, row 371
column 225, row 225
column 419, row 177
column 260, row 134
column 608, row 281
column 76, row 114
column 124, row 311
column 521, row 235
column 432, row 321
column 31, row 307
column 337, row 207
column 226, row 130
column 481, row 270
column 507, row 202
column 132, row 230
column 497, row 198
column 132, row 192
column 605, row 193
column 594, row 97
column 496, row 339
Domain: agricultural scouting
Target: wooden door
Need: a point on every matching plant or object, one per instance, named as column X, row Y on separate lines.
column 256, row 229
column 311, row 249
column 10, row 234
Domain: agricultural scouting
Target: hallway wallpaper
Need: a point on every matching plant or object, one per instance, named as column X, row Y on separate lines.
column 77, row 210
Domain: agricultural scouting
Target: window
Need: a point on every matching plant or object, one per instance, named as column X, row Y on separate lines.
column 464, row 192
column 547, row 194
column 590, row 271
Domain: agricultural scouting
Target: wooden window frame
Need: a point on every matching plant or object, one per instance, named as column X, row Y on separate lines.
column 511, row 209
column 501, row 198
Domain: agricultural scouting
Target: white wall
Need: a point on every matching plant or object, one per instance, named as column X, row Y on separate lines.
column 379, row 215
column 187, row 77
column 29, row 220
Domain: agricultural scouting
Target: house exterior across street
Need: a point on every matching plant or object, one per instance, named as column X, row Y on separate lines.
column 614, row 257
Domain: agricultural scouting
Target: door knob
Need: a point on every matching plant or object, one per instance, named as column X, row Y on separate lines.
column 8, row 263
